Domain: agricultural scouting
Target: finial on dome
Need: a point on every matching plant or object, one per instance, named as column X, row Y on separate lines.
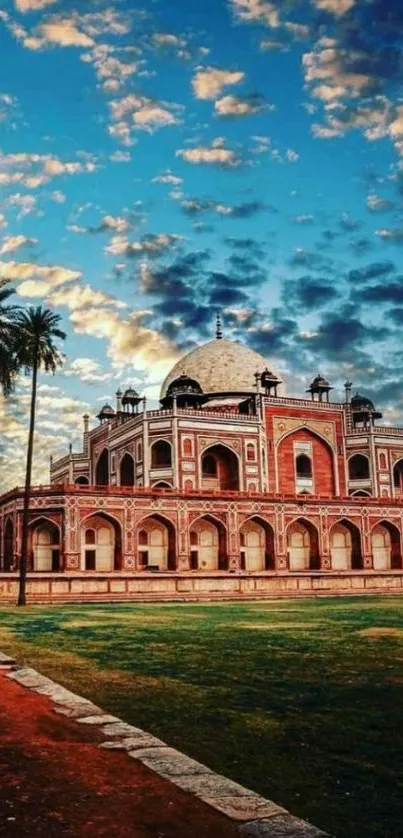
column 218, row 330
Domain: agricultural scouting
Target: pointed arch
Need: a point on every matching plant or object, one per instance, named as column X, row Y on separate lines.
column 386, row 544
column 358, row 467
column 44, row 545
column 8, row 554
column 303, row 545
column 398, row 478
column 81, row 480
column 161, row 454
column 101, row 542
column 127, row 470
column 208, row 543
column 257, row 548
column 102, row 469
column 345, row 546
column 306, row 461
column 156, row 542
column 219, row 468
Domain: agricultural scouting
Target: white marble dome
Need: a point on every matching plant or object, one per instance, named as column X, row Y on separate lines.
column 221, row 366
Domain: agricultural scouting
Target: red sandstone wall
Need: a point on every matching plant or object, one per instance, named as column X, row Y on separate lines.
column 324, row 483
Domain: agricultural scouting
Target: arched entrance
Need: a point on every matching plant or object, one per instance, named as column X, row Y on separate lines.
column 386, row 547
column 8, row 560
column 398, row 479
column 345, row 546
column 358, row 467
column 257, row 545
column 102, row 469
column 303, row 546
column 81, row 480
column 161, row 454
column 219, row 468
column 101, row 544
column 45, row 545
column 156, row 543
column 208, row 544
column 127, row 471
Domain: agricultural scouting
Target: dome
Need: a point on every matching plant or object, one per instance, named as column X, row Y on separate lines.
column 107, row 409
column 359, row 402
column 220, row 366
column 130, row 394
column 184, row 384
column 320, row 381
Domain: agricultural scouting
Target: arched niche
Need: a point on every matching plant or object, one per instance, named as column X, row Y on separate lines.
column 82, row 480
column 219, row 468
column 345, row 546
column 127, row 470
column 257, row 545
column 398, row 479
column 102, row 469
column 101, row 543
column 156, row 543
column 8, row 555
column 45, row 544
column 161, row 454
column 208, row 544
column 358, row 467
column 386, row 546
column 305, row 461
column 303, row 546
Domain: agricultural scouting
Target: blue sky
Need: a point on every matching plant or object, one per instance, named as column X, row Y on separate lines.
column 160, row 161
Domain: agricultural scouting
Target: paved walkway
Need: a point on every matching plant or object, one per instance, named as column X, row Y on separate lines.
column 56, row 783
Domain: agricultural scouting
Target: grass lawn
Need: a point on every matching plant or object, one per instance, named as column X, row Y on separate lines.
column 299, row 700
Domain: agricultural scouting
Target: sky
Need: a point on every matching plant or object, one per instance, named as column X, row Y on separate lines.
column 162, row 161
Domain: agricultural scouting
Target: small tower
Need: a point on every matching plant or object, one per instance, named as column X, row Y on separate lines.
column 131, row 401
column 186, row 391
column 320, row 388
column 106, row 414
column 363, row 411
column 347, row 388
column 119, row 400
column 269, row 382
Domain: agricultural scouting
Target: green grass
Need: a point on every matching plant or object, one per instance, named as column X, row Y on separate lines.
column 301, row 701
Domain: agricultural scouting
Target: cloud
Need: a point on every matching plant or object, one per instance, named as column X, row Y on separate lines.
column 239, row 106
column 194, row 207
column 382, row 294
column 215, row 155
column 13, row 243
column 36, row 280
column 63, row 32
column 391, row 234
column 88, row 371
column 376, row 203
column 33, row 170
column 168, row 177
column 152, row 245
column 33, row 5
column 372, row 271
column 26, row 204
column 108, row 223
column 3, row 221
column 209, row 82
column 143, row 113
column 256, row 11
column 335, row 7
column 308, row 293
column 82, row 297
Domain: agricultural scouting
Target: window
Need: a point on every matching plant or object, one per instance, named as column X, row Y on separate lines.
column 209, row 466
column 161, row 454
column 250, row 452
column 90, row 536
column 194, row 538
column 143, row 538
column 187, row 448
column 303, row 466
column 382, row 461
column 358, row 467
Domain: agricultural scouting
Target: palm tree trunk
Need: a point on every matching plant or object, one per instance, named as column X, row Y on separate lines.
column 27, row 491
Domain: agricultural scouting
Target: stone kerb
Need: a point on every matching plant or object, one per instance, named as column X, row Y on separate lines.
column 255, row 816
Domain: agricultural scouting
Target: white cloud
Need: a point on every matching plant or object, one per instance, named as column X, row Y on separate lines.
column 88, row 371
column 36, row 280
column 25, row 203
column 3, row 221
column 120, row 157
column 216, row 155
column 82, row 296
column 13, row 243
column 63, row 32
column 209, row 82
column 33, row 5
column 237, row 106
column 256, row 11
column 150, row 245
column 168, row 177
column 336, row 7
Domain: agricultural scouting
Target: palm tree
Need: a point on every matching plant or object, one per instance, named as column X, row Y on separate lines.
column 8, row 361
column 34, row 350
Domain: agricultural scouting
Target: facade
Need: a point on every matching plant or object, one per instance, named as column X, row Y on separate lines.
column 230, row 477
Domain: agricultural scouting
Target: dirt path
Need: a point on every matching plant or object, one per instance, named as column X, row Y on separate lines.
column 54, row 781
